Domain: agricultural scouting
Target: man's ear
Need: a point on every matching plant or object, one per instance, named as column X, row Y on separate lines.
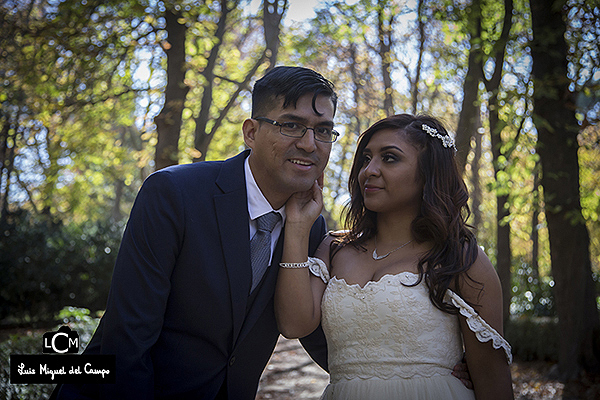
column 249, row 128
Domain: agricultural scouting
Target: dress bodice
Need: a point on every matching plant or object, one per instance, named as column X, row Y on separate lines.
column 387, row 329
column 387, row 340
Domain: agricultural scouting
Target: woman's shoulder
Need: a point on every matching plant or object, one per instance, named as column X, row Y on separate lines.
column 482, row 269
column 335, row 238
column 339, row 242
column 480, row 281
column 336, row 244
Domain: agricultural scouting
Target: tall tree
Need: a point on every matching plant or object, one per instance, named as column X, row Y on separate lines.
column 168, row 121
column 557, row 127
column 385, row 22
column 203, row 135
column 273, row 12
column 469, row 112
column 202, row 138
column 421, row 29
column 535, row 237
column 503, row 249
column 476, row 194
column 63, row 65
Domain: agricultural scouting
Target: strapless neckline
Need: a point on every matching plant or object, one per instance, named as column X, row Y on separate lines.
column 407, row 275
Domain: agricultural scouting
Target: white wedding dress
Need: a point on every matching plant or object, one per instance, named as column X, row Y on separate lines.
column 388, row 341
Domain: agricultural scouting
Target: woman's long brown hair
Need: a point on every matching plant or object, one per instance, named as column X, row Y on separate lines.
column 444, row 209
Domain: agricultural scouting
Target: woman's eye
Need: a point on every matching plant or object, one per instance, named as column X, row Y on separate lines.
column 389, row 158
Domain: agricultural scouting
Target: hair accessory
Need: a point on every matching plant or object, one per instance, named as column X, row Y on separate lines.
column 447, row 141
column 294, row 265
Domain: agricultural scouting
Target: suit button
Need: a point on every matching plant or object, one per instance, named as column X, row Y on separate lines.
column 232, row 361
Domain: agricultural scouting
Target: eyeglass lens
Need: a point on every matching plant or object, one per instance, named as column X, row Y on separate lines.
column 294, row 129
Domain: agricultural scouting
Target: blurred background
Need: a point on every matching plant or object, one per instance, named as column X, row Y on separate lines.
column 96, row 95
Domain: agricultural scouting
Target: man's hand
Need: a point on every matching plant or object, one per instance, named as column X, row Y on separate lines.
column 461, row 371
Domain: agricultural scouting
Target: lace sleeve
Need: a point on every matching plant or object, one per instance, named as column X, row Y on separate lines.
column 318, row 268
column 483, row 331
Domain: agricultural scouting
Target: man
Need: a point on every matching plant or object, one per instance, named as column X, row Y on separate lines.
column 187, row 315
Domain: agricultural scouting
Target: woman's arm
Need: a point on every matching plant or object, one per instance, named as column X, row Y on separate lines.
column 488, row 367
column 298, row 293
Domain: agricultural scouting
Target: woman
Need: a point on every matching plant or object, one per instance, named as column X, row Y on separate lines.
column 405, row 288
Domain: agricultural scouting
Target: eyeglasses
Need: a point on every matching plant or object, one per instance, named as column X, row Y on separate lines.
column 296, row 130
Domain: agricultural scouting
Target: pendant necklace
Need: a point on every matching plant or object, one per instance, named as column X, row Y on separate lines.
column 376, row 257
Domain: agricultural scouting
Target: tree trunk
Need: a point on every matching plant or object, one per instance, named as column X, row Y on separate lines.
column 273, row 12
column 8, row 157
column 503, row 250
column 207, row 137
column 203, row 138
column 119, row 183
column 4, row 159
column 469, row 113
column 557, row 127
column 168, row 121
column 535, row 238
column 385, row 53
column 421, row 27
column 503, row 255
column 475, row 179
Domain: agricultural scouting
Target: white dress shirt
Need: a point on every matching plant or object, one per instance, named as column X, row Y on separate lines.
column 258, row 205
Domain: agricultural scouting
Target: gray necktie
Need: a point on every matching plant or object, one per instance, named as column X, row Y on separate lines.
column 260, row 246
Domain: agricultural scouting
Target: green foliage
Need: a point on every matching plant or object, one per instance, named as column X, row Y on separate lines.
column 589, row 159
column 68, row 104
column 46, row 264
column 81, row 320
column 532, row 294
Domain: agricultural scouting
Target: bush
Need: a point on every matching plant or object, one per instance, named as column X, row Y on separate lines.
column 45, row 265
column 532, row 295
column 533, row 338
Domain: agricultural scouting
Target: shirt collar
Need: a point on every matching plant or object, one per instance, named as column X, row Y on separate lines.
column 257, row 203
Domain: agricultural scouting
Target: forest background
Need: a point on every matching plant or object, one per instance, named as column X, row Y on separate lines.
column 96, row 95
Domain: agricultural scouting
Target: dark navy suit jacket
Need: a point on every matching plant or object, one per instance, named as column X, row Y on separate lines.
column 179, row 317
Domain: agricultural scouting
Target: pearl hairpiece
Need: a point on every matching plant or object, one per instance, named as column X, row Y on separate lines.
column 447, row 141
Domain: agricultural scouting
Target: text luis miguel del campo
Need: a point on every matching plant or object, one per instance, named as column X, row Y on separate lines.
column 61, row 363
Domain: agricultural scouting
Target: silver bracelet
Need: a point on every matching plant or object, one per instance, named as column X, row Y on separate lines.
column 294, row 265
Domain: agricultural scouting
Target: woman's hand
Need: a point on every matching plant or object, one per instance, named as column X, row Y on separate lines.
column 297, row 303
column 303, row 208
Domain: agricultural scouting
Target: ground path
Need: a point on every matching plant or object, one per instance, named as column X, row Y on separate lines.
column 291, row 374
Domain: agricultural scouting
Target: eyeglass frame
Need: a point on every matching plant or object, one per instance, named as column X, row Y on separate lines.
column 335, row 134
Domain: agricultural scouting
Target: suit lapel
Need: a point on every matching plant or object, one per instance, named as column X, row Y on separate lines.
column 232, row 216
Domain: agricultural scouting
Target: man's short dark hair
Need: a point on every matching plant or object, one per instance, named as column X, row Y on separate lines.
column 290, row 83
